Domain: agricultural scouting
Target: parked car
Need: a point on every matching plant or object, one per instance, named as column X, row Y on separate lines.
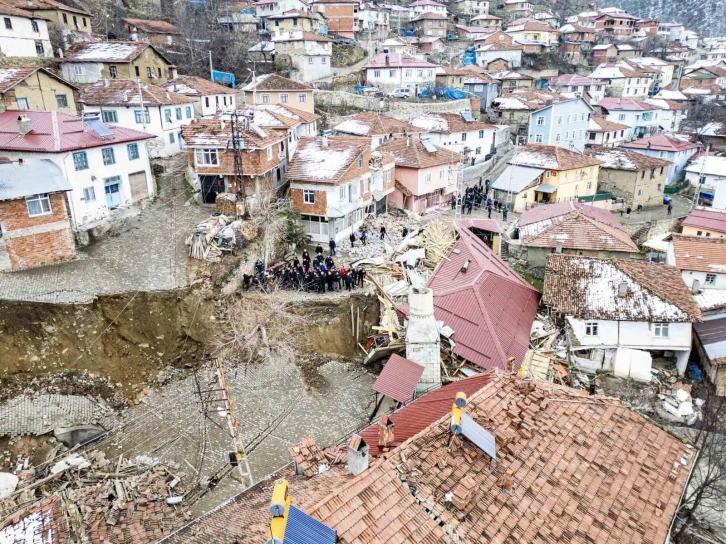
column 401, row 92
column 340, row 40
column 667, row 199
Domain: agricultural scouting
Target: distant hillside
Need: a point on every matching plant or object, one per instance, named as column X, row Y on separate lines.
column 704, row 16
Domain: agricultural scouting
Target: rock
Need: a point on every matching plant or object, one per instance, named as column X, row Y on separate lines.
column 79, row 434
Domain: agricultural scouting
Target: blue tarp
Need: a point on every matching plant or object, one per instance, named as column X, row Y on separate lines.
column 468, row 58
column 225, row 78
column 444, row 92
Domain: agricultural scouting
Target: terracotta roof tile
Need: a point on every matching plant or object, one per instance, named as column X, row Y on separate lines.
column 552, row 157
column 12, row 75
column 273, row 82
column 370, row 123
column 710, row 219
column 625, row 104
column 430, row 15
column 617, row 158
column 44, row 523
column 215, row 133
column 603, row 125
column 125, row 92
column 313, row 162
column 414, row 155
column 587, row 288
column 152, row 26
column 446, row 123
column 196, row 86
column 44, row 5
column 490, row 307
column 398, row 60
column 307, row 456
column 699, row 253
column 111, row 51
column 661, row 142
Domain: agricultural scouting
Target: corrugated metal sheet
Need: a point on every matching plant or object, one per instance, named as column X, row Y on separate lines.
column 712, row 335
column 424, row 411
column 489, row 307
column 516, row 178
column 304, row 529
column 707, row 219
column 399, row 378
column 33, row 177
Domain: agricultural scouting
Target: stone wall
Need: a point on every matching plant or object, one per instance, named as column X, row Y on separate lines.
column 400, row 109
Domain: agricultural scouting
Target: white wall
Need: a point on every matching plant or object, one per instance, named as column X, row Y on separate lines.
column 454, row 142
column 162, row 145
column 20, row 40
column 392, row 76
column 85, row 213
column 319, row 68
column 91, row 72
column 513, row 57
column 632, row 334
column 211, row 104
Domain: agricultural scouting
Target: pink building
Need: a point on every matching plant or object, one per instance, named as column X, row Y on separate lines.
column 425, row 174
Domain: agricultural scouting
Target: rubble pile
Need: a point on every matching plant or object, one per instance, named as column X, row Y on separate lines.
column 219, row 234
column 121, row 501
column 374, row 247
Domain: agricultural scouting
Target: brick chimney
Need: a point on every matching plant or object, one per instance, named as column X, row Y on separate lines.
column 422, row 337
column 357, row 455
column 385, row 431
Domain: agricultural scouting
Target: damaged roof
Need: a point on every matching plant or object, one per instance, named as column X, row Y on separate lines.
column 489, row 307
column 43, row 523
column 575, row 226
column 445, row 123
column 588, row 288
column 273, row 82
column 699, row 253
column 564, row 449
column 217, row 134
column 316, row 161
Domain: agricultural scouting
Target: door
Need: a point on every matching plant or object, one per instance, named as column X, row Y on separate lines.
column 139, row 186
column 211, row 186
column 112, row 187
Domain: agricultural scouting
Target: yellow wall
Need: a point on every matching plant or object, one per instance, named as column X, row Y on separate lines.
column 40, row 89
column 56, row 16
column 571, row 184
column 693, row 231
column 627, row 184
column 292, row 101
column 287, row 26
column 148, row 59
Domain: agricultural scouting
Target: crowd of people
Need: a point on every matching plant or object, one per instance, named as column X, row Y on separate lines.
column 476, row 197
column 319, row 274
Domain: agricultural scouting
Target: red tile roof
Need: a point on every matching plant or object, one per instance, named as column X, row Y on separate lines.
column 706, row 219
column 152, row 26
column 399, row 379
column 625, row 104
column 196, row 86
column 489, row 307
column 422, row 412
column 11, row 75
column 55, row 132
column 543, row 213
column 414, row 155
column 700, row 253
column 317, row 162
column 39, row 5
column 661, row 142
column 125, row 92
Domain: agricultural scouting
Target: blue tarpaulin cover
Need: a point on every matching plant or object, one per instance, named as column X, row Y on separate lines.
column 225, row 78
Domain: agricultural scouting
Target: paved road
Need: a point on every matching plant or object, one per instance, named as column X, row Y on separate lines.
column 681, row 208
column 149, row 255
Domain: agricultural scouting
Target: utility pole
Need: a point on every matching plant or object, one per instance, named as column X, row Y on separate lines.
column 237, row 142
column 240, row 457
column 697, row 194
column 211, row 68
column 141, row 105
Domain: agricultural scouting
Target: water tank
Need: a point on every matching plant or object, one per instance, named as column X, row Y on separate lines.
column 409, row 33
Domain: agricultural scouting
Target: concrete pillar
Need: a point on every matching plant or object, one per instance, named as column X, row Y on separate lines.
column 682, row 361
column 422, row 337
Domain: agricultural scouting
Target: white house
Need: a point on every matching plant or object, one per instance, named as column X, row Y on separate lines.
column 266, row 8
column 154, row 110
column 666, row 70
column 380, row 128
column 209, row 97
column 391, row 70
column 458, row 132
column 23, row 33
column 671, row 114
column 709, row 174
column 490, row 52
column 622, row 80
column 578, row 86
column 310, row 54
column 374, row 19
column 670, row 148
column 428, row 6
column 600, row 131
column 612, row 303
column 107, row 166
column 701, row 260
column 643, row 119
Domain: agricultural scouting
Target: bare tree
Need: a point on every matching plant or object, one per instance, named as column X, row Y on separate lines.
column 654, row 46
column 704, row 503
column 702, row 115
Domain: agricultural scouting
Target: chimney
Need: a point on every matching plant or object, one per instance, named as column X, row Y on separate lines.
column 25, row 125
column 21, row 162
column 510, row 364
column 324, row 143
column 357, row 455
column 623, row 289
column 465, row 266
column 558, row 246
column 385, row 431
column 279, row 508
column 30, row 3
column 387, row 60
column 457, row 413
column 106, row 82
column 126, row 94
column 408, row 141
column 422, row 337
column 508, row 481
column 696, row 287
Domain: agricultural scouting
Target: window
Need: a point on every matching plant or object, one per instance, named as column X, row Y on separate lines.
column 538, row 138
column 108, row 156
column 268, row 152
column 540, row 120
column 38, row 205
column 589, row 185
column 80, row 160
column 283, row 98
column 308, row 196
column 89, row 194
column 85, row 22
column 39, row 48
column 142, row 116
column 710, row 279
column 341, row 193
column 442, row 174
column 109, row 117
column 558, row 137
column 189, row 112
column 324, row 60
column 420, row 73
column 660, row 330
column 481, row 134
column 392, row 73
column 113, row 71
column 148, row 72
column 427, row 178
column 699, row 233
column 179, row 115
column 591, row 328
column 463, row 136
column 133, row 150
column 567, row 135
column 660, row 154
column 23, row 103
column 206, row 101
column 265, row 98
column 569, row 119
column 167, row 115
column 207, row 157
column 409, row 73
column 301, row 98
column 478, row 150
column 559, row 120
column 376, row 73
column 75, row 21
column 79, row 70
column 65, row 18
column 138, row 72
column 171, row 138
column 8, row 23
column 34, row 26
column 621, row 117
column 310, row 60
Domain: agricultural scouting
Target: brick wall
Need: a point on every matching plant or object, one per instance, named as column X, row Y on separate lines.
column 42, row 248
column 318, row 208
column 14, row 213
column 253, row 162
column 340, row 16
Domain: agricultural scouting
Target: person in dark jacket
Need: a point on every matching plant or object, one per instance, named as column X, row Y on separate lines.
column 348, row 278
column 383, row 233
column 352, row 239
column 404, row 232
column 331, row 245
column 330, row 277
column 361, row 276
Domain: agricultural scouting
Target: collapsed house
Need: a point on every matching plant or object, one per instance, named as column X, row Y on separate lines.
column 611, row 305
column 505, row 463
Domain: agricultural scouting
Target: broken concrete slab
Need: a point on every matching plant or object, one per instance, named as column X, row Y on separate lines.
column 78, row 434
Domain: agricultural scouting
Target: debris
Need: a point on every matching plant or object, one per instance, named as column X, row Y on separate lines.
column 8, row 483
column 78, row 434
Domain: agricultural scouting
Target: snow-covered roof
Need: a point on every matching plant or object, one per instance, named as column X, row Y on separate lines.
column 711, row 165
column 671, row 95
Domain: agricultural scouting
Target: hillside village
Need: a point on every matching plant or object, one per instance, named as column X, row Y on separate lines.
column 339, row 271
